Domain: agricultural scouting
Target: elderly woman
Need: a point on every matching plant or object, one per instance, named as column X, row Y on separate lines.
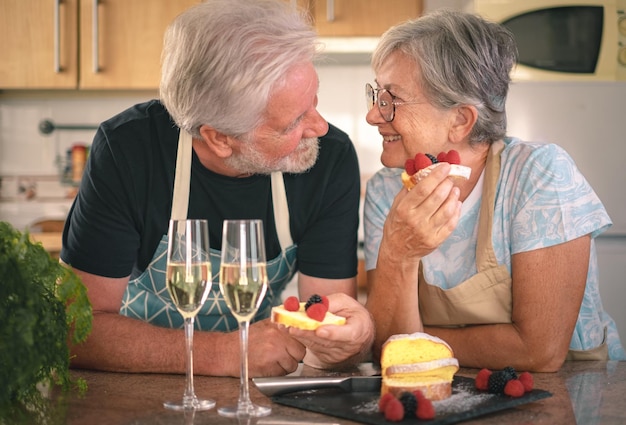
column 502, row 265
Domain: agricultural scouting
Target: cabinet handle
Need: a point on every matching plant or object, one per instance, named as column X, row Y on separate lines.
column 330, row 10
column 94, row 38
column 57, row 37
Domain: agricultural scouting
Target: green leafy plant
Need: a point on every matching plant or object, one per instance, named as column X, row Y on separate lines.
column 43, row 307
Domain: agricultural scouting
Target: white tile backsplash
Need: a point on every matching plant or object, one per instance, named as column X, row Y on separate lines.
column 24, row 150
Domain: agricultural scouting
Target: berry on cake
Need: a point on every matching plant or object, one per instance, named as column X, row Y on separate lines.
column 417, row 361
column 419, row 167
column 308, row 316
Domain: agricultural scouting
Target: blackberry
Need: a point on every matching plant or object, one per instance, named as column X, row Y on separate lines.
column 510, row 371
column 409, row 402
column 313, row 299
column 497, row 382
column 433, row 158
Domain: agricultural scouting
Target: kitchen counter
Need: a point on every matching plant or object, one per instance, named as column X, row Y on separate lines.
column 583, row 392
column 51, row 241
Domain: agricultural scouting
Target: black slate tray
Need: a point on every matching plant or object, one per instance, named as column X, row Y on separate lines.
column 465, row 403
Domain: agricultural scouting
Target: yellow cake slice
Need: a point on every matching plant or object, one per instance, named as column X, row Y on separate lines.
column 418, row 361
column 299, row 319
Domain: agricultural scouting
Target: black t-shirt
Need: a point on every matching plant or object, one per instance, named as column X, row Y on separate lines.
column 124, row 202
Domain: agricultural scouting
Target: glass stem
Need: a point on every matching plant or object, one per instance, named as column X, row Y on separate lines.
column 190, row 395
column 244, row 393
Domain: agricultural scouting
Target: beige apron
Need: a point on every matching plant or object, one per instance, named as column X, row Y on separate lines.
column 486, row 297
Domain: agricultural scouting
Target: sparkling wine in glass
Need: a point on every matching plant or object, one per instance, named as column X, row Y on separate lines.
column 188, row 281
column 243, row 283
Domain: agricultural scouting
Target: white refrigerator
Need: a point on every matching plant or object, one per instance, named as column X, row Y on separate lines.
column 589, row 121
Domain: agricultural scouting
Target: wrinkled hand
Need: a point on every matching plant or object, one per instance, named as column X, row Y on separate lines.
column 421, row 219
column 333, row 346
column 271, row 351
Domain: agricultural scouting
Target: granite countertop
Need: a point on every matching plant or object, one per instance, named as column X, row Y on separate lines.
column 582, row 392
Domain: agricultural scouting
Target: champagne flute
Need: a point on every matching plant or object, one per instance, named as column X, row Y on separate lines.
column 188, row 281
column 243, row 283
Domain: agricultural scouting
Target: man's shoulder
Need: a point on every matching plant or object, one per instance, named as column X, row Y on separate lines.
column 336, row 133
column 140, row 114
column 337, row 138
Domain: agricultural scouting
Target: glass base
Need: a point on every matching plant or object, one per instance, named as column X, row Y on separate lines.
column 244, row 411
column 195, row 404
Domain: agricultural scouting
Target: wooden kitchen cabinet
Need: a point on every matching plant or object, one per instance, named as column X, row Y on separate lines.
column 118, row 45
column 359, row 18
column 39, row 41
column 121, row 41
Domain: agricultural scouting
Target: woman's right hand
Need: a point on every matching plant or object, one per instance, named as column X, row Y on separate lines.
column 421, row 219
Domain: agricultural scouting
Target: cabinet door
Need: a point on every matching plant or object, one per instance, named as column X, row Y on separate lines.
column 360, row 18
column 39, row 39
column 121, row 41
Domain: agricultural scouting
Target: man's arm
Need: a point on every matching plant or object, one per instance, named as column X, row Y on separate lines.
column 309, row 285
column 122, row 344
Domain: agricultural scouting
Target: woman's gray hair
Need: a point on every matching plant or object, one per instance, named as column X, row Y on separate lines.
column 222, row 58
column 463, row 59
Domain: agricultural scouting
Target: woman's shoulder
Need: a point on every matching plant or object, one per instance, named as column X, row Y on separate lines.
column 385, row 178
column 517, row 150
column 536, row 160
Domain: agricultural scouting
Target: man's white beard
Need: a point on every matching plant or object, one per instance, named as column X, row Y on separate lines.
column 250, row 161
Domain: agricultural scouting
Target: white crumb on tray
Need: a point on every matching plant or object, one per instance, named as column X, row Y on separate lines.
column 463, row 399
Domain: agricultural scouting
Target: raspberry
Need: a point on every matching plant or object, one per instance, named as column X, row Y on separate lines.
column 482, row 379
column 497, row 381
column 453, row 157
column 382, row 403
column 317, row 311
column 514, row 388
column 291, row 304
column 394, row 411
column 527, row 380
column 425, row 409
column 419, row 395
column 409, row 166
column 442, row 157
column 409, row 402
column 313, row 299
column 325, row 300
column 421, row 161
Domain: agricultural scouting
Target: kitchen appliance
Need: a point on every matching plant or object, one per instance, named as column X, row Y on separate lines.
column 577, row 40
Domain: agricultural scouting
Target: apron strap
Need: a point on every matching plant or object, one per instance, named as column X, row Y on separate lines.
column 281, row 210
column 182, row 179
column 485, row 255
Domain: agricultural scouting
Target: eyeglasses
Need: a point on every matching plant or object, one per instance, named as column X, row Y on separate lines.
column 384, row 100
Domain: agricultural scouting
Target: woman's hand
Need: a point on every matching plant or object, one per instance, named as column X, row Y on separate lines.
column 421, row 219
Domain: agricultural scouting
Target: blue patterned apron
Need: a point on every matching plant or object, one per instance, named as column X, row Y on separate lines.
column 146, row 297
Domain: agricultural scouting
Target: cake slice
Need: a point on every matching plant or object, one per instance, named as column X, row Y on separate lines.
column 418, row 361
column 415, row 169
column 300, row 319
